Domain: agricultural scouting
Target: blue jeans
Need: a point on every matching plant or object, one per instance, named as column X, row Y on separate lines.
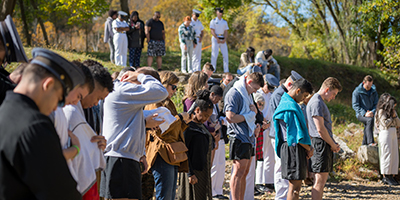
column 165, row 177
column 134, row 56
column 248, row 68
column 273, row 69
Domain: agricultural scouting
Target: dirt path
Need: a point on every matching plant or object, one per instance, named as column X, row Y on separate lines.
column 344, row 190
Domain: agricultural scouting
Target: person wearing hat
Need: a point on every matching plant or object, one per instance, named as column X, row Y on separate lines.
column 120, row 39
column 187, row 38
column 198, row 28
column 11, row 50
column 265, row 167
column 31, row 161
column 281, row 185
column 268, row 63
column 219, row 31
column 109, row 33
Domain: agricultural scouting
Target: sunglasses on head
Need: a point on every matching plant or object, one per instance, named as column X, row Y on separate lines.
column 173, row 87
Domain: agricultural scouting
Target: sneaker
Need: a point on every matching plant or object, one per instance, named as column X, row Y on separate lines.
column 257, row 191
column 393, row 180
column 159, row 70
column 220, row 196
column 388, row 181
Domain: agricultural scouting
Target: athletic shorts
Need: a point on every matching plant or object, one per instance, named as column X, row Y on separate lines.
column 156, row 48
column 294, row 162
column 239, row 150
column 121, row 179
column 322, row 160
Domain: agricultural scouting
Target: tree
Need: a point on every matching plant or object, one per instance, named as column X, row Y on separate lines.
column 7, row 8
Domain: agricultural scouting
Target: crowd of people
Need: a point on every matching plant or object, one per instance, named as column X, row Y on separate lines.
column 71, row 130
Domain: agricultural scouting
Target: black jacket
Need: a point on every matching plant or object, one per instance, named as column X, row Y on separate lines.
column 32, row 165
column 197, row 141
column 136, row 36
column 5, row 84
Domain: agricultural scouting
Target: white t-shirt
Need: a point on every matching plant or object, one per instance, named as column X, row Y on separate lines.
column 219, row 26
column 198, row 26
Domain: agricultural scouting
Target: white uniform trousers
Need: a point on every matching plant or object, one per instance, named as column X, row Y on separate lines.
column 249, row 192
column 281, row 185
column 215, row 47
column 187, row 57
column 196, row 60
column 121, row 48
column 265, row 169
column 218, row 169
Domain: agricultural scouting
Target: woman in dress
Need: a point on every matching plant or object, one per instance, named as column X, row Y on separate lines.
column 386, row 120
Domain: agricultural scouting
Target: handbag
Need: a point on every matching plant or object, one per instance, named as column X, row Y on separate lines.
column 176, row 150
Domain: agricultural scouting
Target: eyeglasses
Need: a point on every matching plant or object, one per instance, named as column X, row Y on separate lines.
column 174, row 87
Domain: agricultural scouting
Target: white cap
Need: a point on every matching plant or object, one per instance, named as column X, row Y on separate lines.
column 196, row 11
column 122, row 13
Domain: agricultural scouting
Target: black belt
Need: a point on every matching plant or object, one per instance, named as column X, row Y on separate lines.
column 221, row 38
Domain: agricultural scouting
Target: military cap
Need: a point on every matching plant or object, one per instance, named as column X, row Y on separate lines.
column 122, row 13
column 271, row 80
column 196, row 11
column 12, row 43
column 67, row 73
column 295, row 76
column 221, row 10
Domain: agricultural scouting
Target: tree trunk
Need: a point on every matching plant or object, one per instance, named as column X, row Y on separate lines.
column 25, row 27
column 87, row 38
column 7, row 8
column 124, row 6
column 341, row 33
column 46, row 39
column 327, row 32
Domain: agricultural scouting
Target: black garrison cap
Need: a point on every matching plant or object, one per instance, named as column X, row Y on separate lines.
column 67, row 73
column 12, row 43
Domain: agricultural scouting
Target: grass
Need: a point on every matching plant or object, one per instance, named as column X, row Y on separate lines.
column 315, row 71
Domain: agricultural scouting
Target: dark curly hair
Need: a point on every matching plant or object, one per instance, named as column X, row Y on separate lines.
column 90, row 62
column 102, row 77
column 89, row 82
column 203, row 100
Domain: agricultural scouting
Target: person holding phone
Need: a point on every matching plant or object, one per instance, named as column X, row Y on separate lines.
column 136, row 37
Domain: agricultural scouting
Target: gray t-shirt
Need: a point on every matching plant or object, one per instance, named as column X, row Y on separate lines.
column 317, row 107
column 283, row 127
column 234, row 103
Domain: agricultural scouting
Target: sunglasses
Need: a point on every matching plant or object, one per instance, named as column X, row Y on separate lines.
column 197, row 15
column 271, row 88
column 173, row 87
column 158, row 17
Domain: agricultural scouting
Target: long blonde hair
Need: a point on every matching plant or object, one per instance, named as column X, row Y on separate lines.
column 196, row 82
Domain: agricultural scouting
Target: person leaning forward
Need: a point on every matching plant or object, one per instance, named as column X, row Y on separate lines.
column 11, row 50
column 32, row 165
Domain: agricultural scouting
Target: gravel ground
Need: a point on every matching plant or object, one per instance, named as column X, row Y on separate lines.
column 355, row 189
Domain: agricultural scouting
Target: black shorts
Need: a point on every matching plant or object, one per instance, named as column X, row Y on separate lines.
column 322, row 160
column 239, row 150
column 121, row 179
column 294, row 162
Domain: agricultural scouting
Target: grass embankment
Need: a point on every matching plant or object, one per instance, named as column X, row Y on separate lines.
column 314, row 70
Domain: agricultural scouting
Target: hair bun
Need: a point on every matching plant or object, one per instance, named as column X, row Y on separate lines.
column 203, row 94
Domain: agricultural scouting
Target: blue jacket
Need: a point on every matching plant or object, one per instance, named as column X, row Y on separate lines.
column 362, row 102
column 290, row 112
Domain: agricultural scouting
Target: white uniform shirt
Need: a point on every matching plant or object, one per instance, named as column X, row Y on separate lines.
column 118, row 24
column 219, row 26
column 198, row 26
column 266, row 111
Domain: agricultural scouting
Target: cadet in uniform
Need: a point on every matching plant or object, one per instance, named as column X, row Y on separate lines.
column 11, row 50
column 198, row 28
column 32, row 165
column 219, row 30
column 120, row 39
